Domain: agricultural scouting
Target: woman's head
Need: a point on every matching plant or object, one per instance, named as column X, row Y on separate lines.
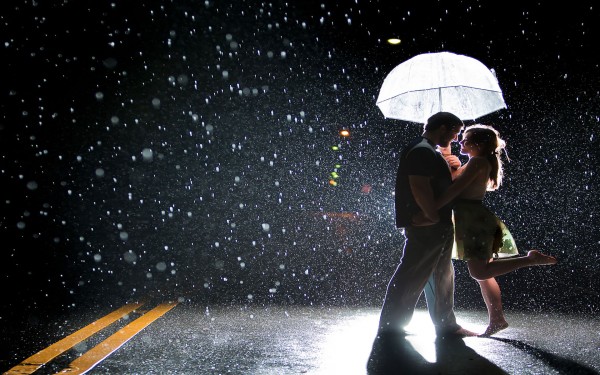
column 484, row 140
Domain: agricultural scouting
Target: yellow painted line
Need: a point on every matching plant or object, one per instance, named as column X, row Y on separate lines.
column 95, row 355
column 33, row 363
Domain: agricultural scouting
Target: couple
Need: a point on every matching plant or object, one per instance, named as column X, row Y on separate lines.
column 429, row 187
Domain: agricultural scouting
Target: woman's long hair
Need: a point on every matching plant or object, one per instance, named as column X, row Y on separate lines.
column 491, row 145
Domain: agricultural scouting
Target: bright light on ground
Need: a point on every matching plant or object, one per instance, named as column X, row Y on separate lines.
column 347, row 344
column 346, row 347
column 422, row 335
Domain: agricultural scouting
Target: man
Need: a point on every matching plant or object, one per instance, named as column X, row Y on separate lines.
column 423, row 175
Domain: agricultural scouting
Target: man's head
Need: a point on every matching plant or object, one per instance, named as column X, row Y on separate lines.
column 443, row 128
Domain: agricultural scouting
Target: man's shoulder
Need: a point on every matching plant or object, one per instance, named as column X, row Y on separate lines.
column 419, row 146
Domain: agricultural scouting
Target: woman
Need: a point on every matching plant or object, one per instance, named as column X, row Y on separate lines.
column 480, row 237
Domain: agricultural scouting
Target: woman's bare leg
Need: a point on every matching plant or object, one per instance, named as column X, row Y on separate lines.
column 490, row 290
column 484, row 269
column 484, row 272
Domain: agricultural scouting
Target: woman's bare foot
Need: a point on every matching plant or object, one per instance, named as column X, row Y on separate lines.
column 539, row 259
column 494, row 328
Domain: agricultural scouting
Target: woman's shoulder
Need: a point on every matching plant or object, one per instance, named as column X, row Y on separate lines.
column 478, row 163
column 479, row 160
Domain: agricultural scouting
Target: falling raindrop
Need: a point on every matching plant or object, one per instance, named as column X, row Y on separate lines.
column 147, row 155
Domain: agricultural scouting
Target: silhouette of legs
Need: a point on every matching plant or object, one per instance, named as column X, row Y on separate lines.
column 485, row 271
column 426, row 256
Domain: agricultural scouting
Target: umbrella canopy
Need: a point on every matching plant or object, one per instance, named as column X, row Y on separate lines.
column 435, row 82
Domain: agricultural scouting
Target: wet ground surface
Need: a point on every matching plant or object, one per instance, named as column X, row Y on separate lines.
column 201, row 339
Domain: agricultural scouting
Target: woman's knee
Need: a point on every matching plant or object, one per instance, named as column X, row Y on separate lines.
column 478, row 269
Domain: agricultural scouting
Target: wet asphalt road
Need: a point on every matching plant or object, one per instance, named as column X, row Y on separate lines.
column 200, row 339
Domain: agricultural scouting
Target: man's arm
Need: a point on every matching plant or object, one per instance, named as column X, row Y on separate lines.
column 420, row 187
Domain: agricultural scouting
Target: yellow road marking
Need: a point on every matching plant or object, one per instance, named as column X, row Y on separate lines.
column 95, row 355
column 33, row 363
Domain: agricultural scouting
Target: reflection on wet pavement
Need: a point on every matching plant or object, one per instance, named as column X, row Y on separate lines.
column 193, row 339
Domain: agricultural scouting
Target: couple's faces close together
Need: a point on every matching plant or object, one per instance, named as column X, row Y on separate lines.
column 466, row 147
column 450, row 135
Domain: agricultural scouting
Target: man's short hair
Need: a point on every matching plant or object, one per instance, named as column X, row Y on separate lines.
column 442, row 118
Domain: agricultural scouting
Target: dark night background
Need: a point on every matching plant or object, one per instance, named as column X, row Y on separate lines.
column 184, row 148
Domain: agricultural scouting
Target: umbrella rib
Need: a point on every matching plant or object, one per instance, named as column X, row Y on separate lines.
column 433, row 88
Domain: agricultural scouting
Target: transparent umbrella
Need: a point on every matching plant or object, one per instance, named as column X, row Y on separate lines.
column 443, row 81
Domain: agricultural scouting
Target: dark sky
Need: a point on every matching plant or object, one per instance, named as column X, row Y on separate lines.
column 186, row 146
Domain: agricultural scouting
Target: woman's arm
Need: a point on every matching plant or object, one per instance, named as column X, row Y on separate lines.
column 474, row 168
